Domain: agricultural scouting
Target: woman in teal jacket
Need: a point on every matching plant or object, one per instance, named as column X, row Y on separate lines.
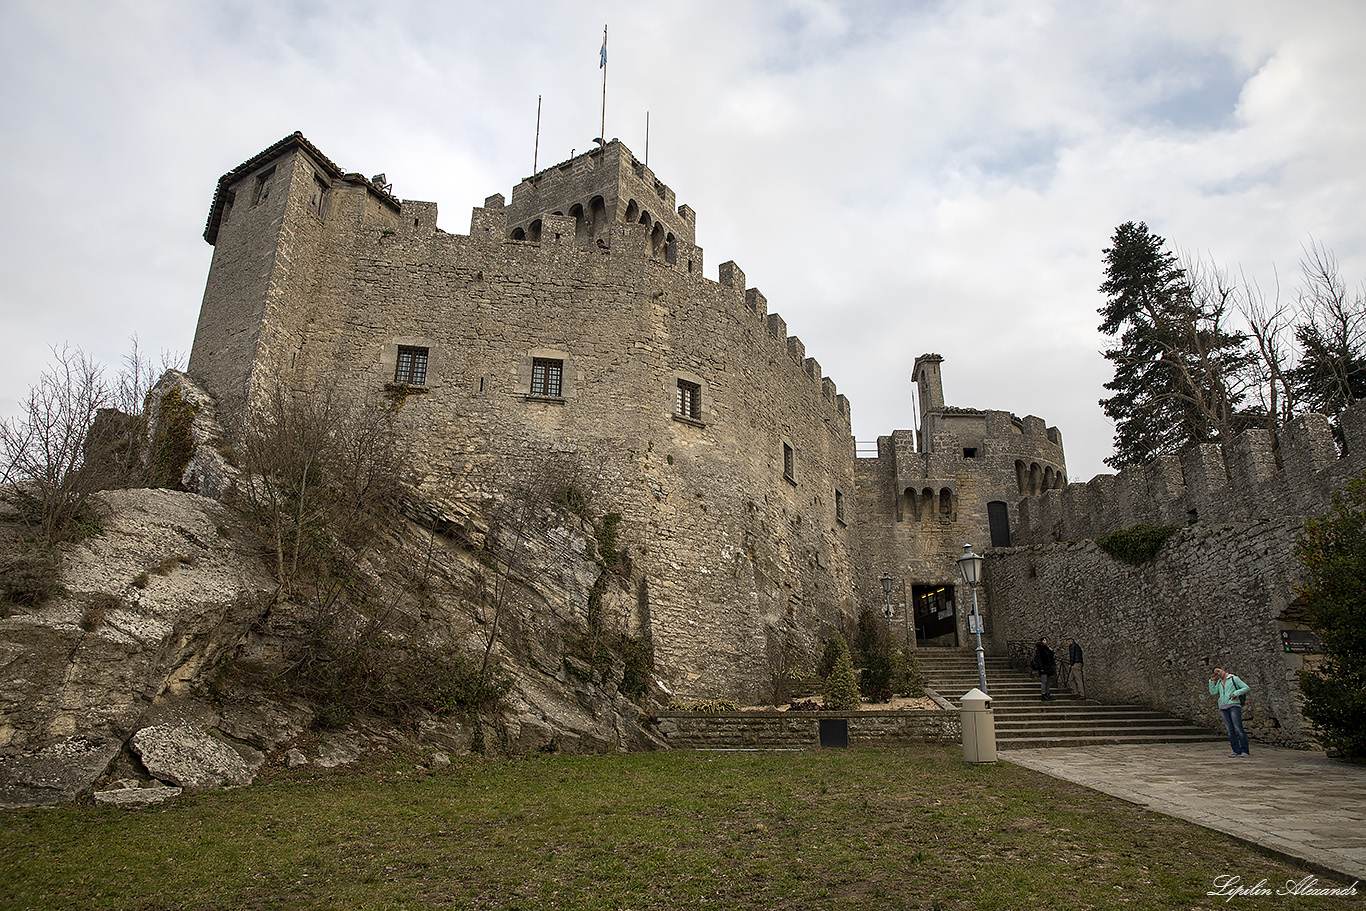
column 1228, row 688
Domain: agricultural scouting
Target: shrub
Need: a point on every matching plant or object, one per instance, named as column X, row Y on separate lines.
column 639, row 655
column 1136, row 544
column 908, row 677
column 28, row 573
column 841, row 692
column 1332, row 553
column 96, row 608
column 833, row 645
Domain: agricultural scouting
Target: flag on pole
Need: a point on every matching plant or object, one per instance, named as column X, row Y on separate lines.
column 602, row 65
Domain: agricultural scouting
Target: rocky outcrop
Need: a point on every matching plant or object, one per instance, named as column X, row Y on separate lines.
column 149, row 609
column 159, row 662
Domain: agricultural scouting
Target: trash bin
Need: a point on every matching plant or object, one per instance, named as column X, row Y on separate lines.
column 979, row 727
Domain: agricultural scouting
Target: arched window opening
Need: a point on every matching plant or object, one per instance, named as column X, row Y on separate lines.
column 580, row 223
column 1021, row 477
column 597, row 215
column 911, row 503
column 946, row 504
column 632, row 212
column 533, row 233
column 926, row 503
column 657, row 240
column 1035, row 477
column 518, row 234
column 670, row 249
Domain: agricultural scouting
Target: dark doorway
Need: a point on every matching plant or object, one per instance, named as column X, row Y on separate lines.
column 936, row 622
column 998, row 516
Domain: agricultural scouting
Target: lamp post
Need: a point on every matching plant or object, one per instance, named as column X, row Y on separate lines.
column 887, row 583
column 970, row 565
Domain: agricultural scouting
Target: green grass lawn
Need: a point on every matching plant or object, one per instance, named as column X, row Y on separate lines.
column 847, row 829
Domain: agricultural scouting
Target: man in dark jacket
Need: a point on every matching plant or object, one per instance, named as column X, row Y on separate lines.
column 1076, row 673
column 1045, row 665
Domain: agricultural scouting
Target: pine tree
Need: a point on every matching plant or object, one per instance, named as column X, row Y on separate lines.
column 1332, row 552
column 1177, row 367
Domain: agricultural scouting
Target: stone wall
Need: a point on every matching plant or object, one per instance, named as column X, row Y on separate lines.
column 801, row 730
column 1259, row 475
column 918, row 506
column 1214, row 596
column 738, row 557
column 1220, row 591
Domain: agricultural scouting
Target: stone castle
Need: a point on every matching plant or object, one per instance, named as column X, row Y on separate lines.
column 569, row 341
column 573, row 325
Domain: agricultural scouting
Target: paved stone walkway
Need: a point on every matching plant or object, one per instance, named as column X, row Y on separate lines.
column 1298, row 804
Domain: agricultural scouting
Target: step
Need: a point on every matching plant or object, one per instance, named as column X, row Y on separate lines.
column 1023, row 720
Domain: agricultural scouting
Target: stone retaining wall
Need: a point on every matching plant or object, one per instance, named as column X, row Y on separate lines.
column 801, row 730
column 1212, row 596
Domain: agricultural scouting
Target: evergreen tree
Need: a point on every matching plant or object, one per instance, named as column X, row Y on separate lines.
column 841, row 688
column 1176, row 365
column 1332, row 552
column 1331, row 331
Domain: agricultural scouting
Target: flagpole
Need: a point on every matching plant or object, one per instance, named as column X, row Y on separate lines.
column 602, row 134
column 536, row 151
column 647, row 139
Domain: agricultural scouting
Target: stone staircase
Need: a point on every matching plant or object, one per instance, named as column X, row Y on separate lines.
column 1024, row 721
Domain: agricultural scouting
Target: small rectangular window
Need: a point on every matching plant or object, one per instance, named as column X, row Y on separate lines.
column 412, row 366
column 546, row 377
column 789, row 464
column 689, row 402
column 839, row 506
column 969, row 452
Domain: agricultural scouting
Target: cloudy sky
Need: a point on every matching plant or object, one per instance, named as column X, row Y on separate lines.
column 896, row 177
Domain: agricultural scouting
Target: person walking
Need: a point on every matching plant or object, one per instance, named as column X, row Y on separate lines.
column 1075, row 670
column 1229, row 688
column 1045, row 665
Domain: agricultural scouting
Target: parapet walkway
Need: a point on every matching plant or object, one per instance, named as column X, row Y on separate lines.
column 1294, row 803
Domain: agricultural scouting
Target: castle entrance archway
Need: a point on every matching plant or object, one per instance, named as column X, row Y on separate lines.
column 936, row 620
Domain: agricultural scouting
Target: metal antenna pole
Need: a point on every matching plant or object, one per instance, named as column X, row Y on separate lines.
column 602, row 131
column 536, row 152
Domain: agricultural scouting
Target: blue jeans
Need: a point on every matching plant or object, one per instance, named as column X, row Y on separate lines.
column 1233, row 721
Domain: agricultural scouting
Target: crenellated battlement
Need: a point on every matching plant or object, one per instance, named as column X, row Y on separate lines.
column 1257, row 476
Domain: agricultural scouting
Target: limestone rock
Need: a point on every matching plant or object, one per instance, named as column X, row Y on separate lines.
column 338, row 748
column 57, row 773
column 150, row 608
column 187, row 756
column 134, row 798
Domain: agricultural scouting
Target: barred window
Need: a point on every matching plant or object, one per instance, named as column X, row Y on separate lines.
column 412, row 366
column 546, row 377
column 789, row 464
column 689, row 402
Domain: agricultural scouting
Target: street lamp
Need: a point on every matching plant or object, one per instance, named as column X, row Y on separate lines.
column 970, row 565
column 887, row 583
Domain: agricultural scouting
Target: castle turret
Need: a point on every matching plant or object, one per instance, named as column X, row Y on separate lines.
column 600, row 188
column 266, row 224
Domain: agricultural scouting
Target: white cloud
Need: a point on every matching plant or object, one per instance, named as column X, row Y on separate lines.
column 880, row 170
